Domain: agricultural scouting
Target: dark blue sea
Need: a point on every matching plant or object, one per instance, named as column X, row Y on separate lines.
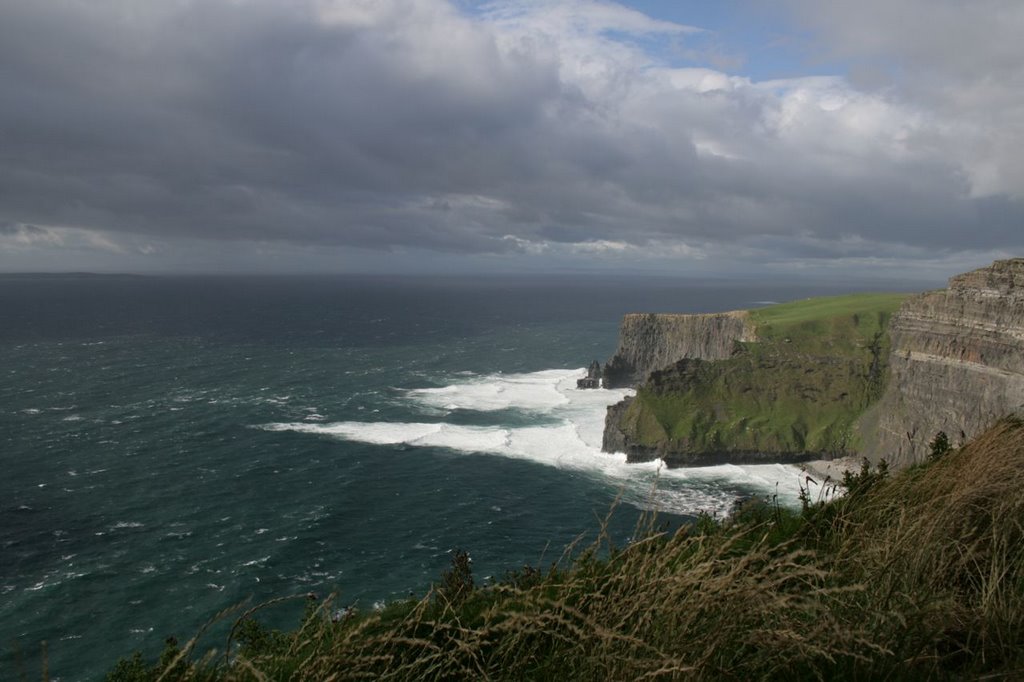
column 171, row 447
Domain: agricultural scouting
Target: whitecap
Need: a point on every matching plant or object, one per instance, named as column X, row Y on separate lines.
column 534, row 391
column 378, row 433
column 570, row 439
column 179, row 534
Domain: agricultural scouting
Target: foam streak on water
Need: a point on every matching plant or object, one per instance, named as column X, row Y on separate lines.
column 566, row 430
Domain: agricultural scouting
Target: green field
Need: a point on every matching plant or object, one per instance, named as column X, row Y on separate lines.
column 798, row 390
column 787, row 316
column 815, row 322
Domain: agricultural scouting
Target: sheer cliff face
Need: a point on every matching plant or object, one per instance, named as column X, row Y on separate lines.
column 648, row 342
column 957, row 364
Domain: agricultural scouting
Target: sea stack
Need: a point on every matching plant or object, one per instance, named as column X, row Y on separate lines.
column 593, row 378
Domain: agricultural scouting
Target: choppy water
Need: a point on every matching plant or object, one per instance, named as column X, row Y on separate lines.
column 171, row 447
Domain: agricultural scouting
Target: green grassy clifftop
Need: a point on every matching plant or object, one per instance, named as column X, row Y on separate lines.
column 794, row 393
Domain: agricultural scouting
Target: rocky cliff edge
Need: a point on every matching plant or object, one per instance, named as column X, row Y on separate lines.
column 957, row 364
column 649, row 342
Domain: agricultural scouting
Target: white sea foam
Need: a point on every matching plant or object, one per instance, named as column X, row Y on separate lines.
column 569, row 438
column 536, row 391
column 126, row 524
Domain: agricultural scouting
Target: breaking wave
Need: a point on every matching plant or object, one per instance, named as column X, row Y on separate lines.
column 566, row 432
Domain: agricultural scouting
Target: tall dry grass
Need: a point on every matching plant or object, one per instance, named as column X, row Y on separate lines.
column 940, row 550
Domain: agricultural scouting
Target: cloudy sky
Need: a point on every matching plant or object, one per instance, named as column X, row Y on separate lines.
column 849, row 137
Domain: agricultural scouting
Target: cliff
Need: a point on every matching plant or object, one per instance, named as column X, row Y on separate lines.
column 777, row 384
column 823, row 377
column 957, row 364
column 648, row 342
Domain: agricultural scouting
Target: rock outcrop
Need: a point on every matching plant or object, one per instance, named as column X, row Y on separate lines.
column 649, row 342
column 614, row 438
column 957, row 364
column 593, row 378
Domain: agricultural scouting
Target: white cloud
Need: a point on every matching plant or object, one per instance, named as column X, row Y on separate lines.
column 959, row 60
column 19, row 237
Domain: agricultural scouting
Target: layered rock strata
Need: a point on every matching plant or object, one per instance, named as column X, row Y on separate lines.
column 957, row 364
column 648, row 342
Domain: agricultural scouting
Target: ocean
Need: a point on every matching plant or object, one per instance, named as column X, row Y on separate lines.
column 174, row 446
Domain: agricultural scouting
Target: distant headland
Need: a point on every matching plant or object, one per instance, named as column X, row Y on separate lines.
column 872, row 375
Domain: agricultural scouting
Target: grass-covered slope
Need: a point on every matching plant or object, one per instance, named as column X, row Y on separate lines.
column 795, row 392
column 915, row 576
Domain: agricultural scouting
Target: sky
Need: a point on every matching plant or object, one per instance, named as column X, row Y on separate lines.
column 839, row 139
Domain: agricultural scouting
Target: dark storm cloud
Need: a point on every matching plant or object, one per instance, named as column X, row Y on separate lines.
column 246, row 120
column 401, row 123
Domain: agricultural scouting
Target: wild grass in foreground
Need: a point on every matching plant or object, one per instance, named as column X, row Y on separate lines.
column 918, row 575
